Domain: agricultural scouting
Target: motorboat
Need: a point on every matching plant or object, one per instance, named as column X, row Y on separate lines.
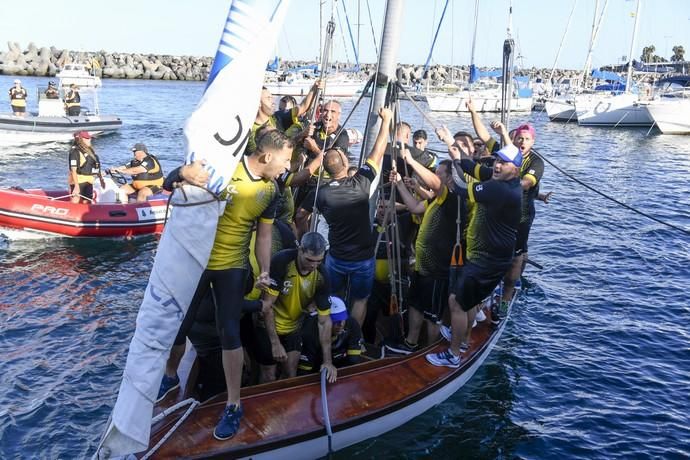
column 26, row 213
column 52, row 124
column 78, row 74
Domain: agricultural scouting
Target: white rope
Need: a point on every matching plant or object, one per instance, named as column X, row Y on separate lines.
column 324, row 408
column 192, row 404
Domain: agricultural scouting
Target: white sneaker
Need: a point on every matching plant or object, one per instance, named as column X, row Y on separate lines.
column 474, row 324
column 445, row 332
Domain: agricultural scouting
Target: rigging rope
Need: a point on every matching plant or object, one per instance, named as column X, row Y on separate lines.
column 324, row 408
column 352, row 38
column 433, row 42
column 630, row 208
column 373, row 34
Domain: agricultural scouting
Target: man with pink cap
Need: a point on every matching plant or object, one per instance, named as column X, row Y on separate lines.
column 490, row 238
column 531, row 172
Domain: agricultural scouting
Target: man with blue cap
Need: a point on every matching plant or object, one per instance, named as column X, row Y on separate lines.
column 346, row 340
column 491, row 236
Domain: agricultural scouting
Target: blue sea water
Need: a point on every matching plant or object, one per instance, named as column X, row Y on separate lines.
column 595, row 362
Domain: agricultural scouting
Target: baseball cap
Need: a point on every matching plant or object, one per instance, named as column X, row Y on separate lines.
column 510, row 154
column 82, row 134
column 338, row 310
column 140, row 146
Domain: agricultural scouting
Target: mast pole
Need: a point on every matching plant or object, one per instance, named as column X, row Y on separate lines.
column 632, row 47
column 390, row 42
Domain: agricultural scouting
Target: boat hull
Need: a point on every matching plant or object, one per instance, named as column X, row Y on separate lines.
column 611, row 111
column 560, row 110
column 35, row 129
column 333, row 89
column 456, row 102
column 670, row 115
column 284, row 419
column 50, row 213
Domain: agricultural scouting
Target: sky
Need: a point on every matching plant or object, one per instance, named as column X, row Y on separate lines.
column 186, row 27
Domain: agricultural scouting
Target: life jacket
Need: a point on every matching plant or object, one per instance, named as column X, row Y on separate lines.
column 152, row 177
column 18, row 97
column 87, row 167
column 72, row 99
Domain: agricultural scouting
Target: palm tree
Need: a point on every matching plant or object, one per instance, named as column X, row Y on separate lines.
column 678, row 53
column 647, row 53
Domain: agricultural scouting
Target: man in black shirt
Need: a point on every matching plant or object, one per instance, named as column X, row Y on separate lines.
column 491, row 236
column 344, row 203
column 346, row 340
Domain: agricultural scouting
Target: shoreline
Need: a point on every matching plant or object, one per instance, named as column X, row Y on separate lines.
column 47, row 61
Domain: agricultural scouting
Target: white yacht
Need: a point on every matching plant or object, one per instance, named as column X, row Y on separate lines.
column 670, row 110
column 78, row 74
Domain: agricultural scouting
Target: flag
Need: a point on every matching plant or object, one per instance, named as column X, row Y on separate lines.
column 216, row 132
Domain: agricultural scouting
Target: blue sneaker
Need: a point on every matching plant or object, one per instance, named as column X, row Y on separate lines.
column 445, row 358
column 518, row 284
column 229, row 422
column 168, row 384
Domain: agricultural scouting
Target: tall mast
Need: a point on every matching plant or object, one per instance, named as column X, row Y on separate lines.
column 560, row 47
column 632, row 47
column 390, row 42
column 596, row 28
column 474, row 41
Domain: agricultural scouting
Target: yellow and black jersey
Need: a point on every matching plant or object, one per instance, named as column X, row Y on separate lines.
column 296, row 291
column 153, row 175
column 437, row 234
column 87, row 164
column 281, row 120
column 249, row 199
column 18, row 97
column 532, row 169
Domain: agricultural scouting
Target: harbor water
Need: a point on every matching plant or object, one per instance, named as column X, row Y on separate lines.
column 595, row 362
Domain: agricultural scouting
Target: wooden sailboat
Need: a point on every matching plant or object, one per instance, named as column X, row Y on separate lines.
column 285, row 419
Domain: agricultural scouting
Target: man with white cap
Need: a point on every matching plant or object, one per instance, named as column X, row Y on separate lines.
column 345, row 341
column 18, row 97
column 491, row 236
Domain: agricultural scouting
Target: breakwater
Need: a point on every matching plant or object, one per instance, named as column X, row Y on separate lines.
column 47, row 61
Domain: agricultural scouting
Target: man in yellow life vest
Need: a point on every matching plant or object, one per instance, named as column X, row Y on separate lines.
column 18, row 97
column 73, row 101
column 146, row 172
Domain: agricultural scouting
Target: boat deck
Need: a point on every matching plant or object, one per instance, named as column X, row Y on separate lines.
column 289, row 412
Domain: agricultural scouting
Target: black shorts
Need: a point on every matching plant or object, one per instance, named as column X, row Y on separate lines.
column 522, row 236
column 474, row 283
column 262, row 344
column 86, row 190
column 18, row 109
column 429, row 296
column 228, row 287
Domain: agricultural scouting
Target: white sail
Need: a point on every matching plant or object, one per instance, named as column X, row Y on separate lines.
column 216, row 132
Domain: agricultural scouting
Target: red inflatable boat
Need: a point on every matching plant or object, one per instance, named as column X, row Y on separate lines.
column 52, row 213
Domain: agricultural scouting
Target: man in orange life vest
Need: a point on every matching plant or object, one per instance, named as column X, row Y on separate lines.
column 146, row 172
